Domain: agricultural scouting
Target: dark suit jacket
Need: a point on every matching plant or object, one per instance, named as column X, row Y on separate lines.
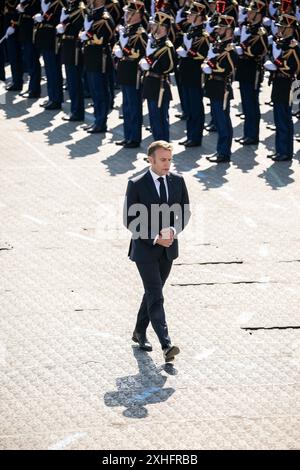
column 142, row 190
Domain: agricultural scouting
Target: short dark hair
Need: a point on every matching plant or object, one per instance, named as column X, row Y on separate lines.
column 158, row 144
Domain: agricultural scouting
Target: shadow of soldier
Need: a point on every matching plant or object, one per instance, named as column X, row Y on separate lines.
column 213, row 177
column 278, row 175
column 145, row 388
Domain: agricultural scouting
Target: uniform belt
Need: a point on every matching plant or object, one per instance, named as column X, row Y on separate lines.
column 26, row 16
column 156, row 75
column 65, row 36
column 282, row 75
column 219, row 79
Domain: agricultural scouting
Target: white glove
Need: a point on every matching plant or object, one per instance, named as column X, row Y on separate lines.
column 209, row 29
column 274, row 28
column 268, row 65
column 144, row 64
column 87, row 24
column 63, row 16
column 117, row 51
column 60, row 29
column 10, row 30
column 239, row 50
column 298, row 13
column 123, row 40
column 237, row 31
column 276, row 51
column 267, row 22
column 242, row 15
column 211, row 53
column 149, row 48
column 272, row 9
column 38, row 18
column 270, row 39
column 45, row 6
column 206, row 69
column 181, row 52
column 83, row 36
column 187, row 42
column 179, row 16
column 19, row 8
column 244, row 34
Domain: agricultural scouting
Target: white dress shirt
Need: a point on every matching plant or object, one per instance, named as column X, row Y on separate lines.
column 155, row 177
column 157, row 183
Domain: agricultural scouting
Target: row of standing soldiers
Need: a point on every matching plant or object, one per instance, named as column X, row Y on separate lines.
column 207, row 44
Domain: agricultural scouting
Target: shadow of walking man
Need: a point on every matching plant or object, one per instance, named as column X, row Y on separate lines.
column 145, row 388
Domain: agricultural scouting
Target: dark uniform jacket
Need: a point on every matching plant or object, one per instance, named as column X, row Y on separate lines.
column 156, row 83
column 128, row 72
column 97, row 50
column 249, row 66
column 190, row 67
column 223, row 67
column 31, row 7
column 288, row 67
column 45, row 32
column 70, row 44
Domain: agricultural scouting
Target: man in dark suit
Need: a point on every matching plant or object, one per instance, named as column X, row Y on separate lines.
column 156, row 210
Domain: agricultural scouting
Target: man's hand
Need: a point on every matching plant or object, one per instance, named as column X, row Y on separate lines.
column 166, row 237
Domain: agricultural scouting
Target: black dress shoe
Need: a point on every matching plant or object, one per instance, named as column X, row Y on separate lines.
column 271, row 127
column 170, row 352
column 272, row 155
column 96, row 130
column 30, row 95
column 131, row 145
column 218, row 158
column 183, row 142
column 13, row 87
column 248, row 141
column 240, row 115
column 72, row 118
column 142, row 340
column 45, row 103
column 281, row 158
column 190, row 143
column 121, row 142
column 238, row 139
column 52, row 105
column 182, row 117
column 211, row 128
column 86, row 127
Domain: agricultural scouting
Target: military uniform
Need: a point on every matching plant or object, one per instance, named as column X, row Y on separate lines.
column 2, row 32
column 252, row 49
column 284, row 68
column 99, row 30
column 130, row 49
column 157, row 65
column 220, row 68
column 13, row 45
column 27, row 9
column 192, row 54
column 46, row 41
column 71, row 23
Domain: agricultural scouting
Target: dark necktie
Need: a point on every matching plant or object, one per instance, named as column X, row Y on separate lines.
column 162, row 191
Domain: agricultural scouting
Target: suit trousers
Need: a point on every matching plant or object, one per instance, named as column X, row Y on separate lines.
column 154, row 276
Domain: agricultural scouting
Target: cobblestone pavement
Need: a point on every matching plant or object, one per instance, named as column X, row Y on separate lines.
column 70, row 377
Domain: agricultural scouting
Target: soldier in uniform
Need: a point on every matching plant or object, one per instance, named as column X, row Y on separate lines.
column 97, row 35
column 2, row 56
column 157, row 65
column 284, row 67
column 252, row 49
column 220, row 68
column 14, row 52
column 46, row 41
column 130, row 49
column 71, row 23
column 27, row 9
column 192, row 54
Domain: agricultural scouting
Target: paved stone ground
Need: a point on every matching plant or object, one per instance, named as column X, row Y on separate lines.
column 70, row 377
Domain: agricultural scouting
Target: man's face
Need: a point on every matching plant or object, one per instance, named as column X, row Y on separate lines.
column 191, row 18
column 284, row 32
column 221, row 31
column 161, row 161
column 254, row 16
